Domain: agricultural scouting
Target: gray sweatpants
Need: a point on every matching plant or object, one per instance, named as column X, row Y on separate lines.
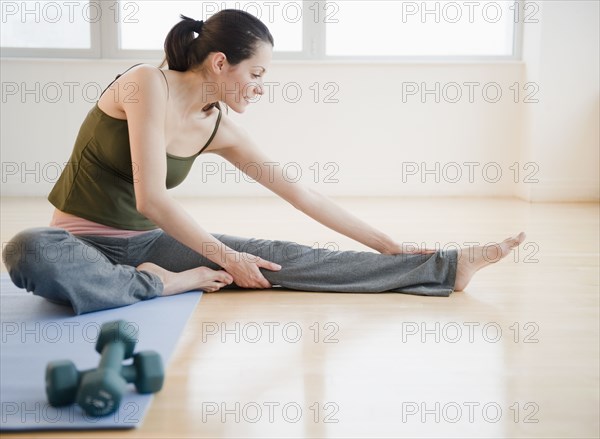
column 92, row 273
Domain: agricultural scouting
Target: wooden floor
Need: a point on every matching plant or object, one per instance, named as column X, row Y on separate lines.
column 515, row 355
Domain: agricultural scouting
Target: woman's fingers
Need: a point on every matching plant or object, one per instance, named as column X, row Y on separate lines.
column 427, row 250
column 246, row 272
column 418, row 251
column 263, row 282
column 259, row 280
column 256, row 280
column 268, row 265
column 409, row 249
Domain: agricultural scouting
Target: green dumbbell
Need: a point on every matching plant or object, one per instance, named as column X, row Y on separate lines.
column 99, row 391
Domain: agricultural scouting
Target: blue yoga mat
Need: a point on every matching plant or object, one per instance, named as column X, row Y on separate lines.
column 35, row 332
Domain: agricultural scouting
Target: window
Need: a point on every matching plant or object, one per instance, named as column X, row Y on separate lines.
column 309, row 29
column 408, row 28
column 145, row 26
column 50, row 28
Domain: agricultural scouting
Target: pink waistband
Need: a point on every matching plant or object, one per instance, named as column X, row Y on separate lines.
column 81, row 226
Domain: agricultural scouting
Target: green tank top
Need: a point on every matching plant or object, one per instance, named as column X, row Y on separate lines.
column 97, row 183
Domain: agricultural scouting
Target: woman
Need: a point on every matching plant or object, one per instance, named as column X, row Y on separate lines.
column 117, row 237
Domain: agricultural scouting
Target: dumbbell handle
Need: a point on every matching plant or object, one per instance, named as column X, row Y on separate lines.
column 112, row 356
column 129, row 373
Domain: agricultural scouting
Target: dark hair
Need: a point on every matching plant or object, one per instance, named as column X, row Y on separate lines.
column 234, row 32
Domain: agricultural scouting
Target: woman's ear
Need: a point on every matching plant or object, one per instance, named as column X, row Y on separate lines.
column 218, row 61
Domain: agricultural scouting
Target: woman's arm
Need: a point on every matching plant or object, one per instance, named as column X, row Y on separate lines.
column 324, row 210
column 146, row 111
column 244, row 151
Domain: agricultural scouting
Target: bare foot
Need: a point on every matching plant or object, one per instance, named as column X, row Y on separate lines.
column 201, row 278
column 473, row 259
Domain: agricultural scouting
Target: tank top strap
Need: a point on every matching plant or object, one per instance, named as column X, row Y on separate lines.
column 167, row 82
column 117, row 77
column 215, row 130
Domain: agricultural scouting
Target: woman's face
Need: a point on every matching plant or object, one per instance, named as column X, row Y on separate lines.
column 244, row 82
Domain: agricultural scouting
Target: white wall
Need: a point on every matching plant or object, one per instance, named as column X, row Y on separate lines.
column 369, row 134
column 561, row 131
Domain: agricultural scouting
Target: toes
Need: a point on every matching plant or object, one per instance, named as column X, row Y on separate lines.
column 224, row 277
column 516, row 240
column 214, row 286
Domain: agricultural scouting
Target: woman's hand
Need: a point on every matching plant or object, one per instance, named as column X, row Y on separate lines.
column 244, row 268
column 407, row 249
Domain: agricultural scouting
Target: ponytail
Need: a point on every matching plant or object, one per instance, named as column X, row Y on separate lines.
column 234, row 32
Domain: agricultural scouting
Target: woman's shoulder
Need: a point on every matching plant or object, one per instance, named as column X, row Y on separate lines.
column 139, row 72
column 142, row 82
column 145, row 75
column 144, row 68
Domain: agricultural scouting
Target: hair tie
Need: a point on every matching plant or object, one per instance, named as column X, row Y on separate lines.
column 198, row 26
